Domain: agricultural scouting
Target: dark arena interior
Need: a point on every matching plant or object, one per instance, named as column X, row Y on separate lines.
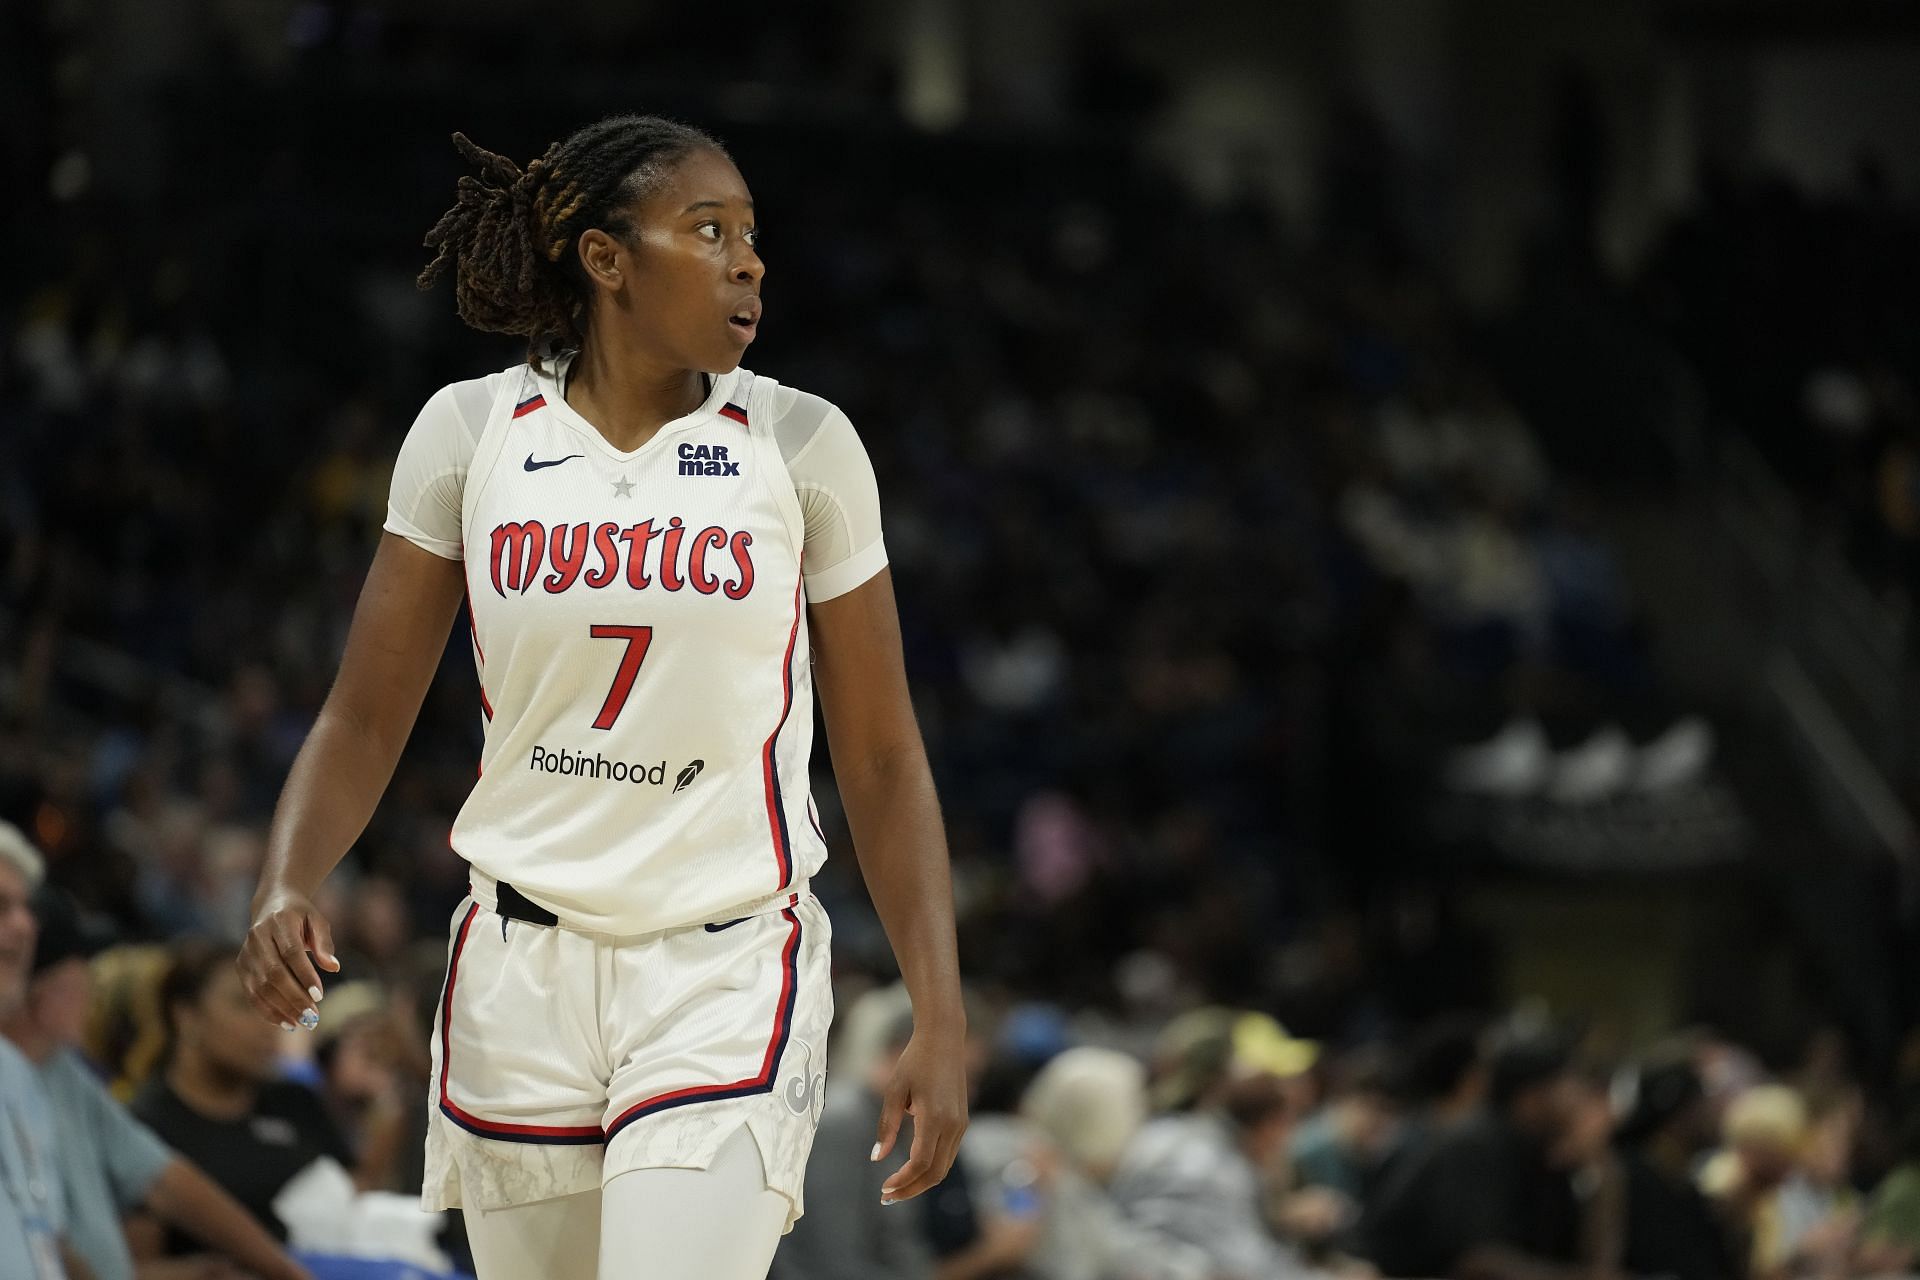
column 1404, row 524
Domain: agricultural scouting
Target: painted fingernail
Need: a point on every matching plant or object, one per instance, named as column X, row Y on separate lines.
column 316, row 994
column 875, row 1153
column 286, row 1026
column 886, row 1200
column 310, row 1020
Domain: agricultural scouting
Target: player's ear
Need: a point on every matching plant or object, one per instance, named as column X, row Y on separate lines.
column 601, row 256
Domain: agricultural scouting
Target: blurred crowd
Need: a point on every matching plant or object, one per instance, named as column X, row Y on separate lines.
column 187, row 1137
column 1223, row 1148
column 1217, row 543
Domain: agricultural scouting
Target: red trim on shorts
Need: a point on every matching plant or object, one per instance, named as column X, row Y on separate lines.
column 776, row 1045
column 776, row 808
column 566, row 1135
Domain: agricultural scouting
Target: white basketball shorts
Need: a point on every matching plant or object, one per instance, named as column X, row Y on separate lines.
column 562, row 1058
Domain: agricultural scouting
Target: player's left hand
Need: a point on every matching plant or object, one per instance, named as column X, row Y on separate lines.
column 930, row 1084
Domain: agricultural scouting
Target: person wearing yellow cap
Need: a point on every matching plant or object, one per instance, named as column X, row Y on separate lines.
column 1194, row 1174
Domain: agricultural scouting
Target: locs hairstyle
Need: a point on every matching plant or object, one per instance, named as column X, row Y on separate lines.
column 509, row 237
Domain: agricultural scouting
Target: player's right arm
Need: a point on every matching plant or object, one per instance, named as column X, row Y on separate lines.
column 399, row 632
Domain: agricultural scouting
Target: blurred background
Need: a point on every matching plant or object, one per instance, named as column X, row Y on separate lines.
column 1405, row 515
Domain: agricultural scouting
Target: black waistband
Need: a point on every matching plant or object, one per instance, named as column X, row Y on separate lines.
column 514, row 905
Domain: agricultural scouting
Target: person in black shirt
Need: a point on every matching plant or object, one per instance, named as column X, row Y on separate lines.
column 216, row 1099
column 1672, row 1229
column 1485, row 1200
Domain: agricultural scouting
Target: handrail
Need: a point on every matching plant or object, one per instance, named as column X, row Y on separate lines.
column 1839, row 672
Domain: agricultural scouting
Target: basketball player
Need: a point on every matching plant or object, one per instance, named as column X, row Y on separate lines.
column 629, row 1052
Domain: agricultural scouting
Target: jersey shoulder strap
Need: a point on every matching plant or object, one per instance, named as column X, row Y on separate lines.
column 518, row 396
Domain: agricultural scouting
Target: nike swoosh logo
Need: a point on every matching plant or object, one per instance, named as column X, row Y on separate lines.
column 535, row 466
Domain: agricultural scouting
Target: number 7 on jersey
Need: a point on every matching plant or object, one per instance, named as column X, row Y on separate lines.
column 637, row 638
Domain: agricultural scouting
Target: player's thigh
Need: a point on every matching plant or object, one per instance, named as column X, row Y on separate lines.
column 717, row 1223
column 558, row 1239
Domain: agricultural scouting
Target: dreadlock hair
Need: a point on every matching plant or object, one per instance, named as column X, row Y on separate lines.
column 509, row 237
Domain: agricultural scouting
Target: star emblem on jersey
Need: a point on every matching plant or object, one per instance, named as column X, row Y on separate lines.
column 688, row 774
column 623, row 487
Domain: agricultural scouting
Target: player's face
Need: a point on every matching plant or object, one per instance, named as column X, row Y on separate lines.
column 695, row 292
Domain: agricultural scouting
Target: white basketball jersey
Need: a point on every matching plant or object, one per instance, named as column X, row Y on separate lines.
column 640, row 633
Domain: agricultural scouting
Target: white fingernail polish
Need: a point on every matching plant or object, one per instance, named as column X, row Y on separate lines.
column 315, row 993
column 875, row 1153
column 885, row 1201
column 286, row 1026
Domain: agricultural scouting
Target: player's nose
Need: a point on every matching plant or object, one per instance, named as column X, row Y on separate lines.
column 747, row 268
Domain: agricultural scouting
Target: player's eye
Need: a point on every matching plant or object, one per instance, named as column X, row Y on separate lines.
column 753, row 237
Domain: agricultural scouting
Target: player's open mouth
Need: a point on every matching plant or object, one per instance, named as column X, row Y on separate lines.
column 746, row 319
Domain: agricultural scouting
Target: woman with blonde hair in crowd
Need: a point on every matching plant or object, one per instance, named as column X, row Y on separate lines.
column 1782, row 1179
column 1088, row 1103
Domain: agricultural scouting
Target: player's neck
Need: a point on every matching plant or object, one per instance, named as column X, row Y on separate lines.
column 628, row 398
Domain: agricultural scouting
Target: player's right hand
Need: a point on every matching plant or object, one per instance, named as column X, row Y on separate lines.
column 274, row 963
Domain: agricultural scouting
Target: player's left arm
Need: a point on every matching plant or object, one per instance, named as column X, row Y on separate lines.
column 880, row 764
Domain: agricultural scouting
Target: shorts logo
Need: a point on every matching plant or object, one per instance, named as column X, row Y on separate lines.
column 706, row 460
column 807, row 1088
column 687, row 775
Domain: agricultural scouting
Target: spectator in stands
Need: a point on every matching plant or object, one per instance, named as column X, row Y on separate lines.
column 33, row 1214
column 1342, row 1146
column 365, row 1085
column 1443, row 1082
column 1672, row 1229
column 1485, row 1199
column 1892, row 1227
column 1199, row 1175
column 217, row 1100
column 1765, row 1129
column 1819, row 1208
column 1585, row 1152
column 993, row 1219
column 1089, row 1103
column 109, row 1163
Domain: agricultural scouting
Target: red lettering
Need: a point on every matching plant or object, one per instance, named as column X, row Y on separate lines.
column 567, row 560
column 670, row 555
column 609, row 553
column 738, row 590
column 520, row 547
column 703, row 582
column 637, row 539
